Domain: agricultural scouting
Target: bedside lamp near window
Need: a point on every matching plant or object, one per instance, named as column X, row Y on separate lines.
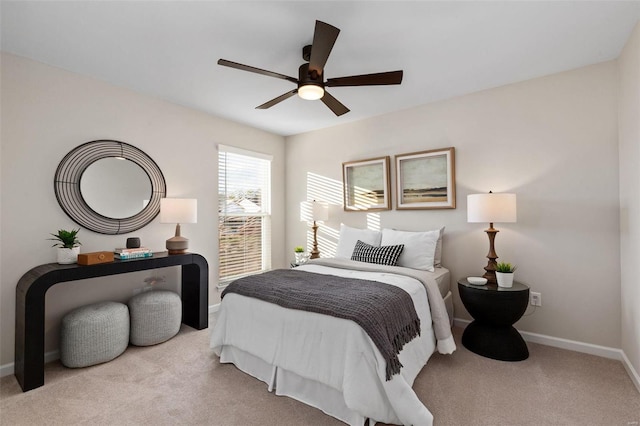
column 491, row 208
column 178, row 210
column 314, row 211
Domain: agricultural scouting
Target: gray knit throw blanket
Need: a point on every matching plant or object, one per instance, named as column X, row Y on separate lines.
column 385, row 312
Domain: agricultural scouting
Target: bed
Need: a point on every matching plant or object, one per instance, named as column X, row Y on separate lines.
column 331, row 363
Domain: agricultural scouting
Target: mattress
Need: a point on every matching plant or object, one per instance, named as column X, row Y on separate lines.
column 443, row 278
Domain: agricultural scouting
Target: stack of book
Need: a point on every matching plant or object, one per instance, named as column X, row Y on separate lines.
column 132, row 253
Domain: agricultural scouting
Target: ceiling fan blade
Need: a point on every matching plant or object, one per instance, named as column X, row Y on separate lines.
column 277, row 100
column 242, row 67
column 334, row 104
column 377, row 79
column 324, row 37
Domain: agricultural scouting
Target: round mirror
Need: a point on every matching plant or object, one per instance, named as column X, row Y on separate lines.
column 109, row 187
column 115, row 187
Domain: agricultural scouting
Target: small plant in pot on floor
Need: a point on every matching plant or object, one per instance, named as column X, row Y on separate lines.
column 504, row 274
column 68, row 245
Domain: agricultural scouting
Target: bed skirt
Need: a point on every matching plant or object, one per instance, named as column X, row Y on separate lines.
column 286, row 383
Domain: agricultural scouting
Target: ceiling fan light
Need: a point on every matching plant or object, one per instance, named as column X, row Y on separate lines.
column 310, row 92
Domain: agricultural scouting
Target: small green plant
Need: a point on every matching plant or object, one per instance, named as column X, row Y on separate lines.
column 505, row 267
column 299, row 249
column 66, row 239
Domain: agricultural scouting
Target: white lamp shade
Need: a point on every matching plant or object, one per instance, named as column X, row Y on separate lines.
column 314, row 211
column 492, row 208
column 178, row 210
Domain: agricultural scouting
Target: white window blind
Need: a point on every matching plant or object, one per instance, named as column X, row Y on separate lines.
column 244, row 213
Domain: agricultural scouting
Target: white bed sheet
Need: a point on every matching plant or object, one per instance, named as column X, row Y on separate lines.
column 305, row 354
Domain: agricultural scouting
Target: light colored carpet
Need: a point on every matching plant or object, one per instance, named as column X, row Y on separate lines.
column 182, row 382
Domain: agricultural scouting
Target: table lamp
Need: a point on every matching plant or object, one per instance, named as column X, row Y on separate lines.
column 178, row 210
column 316, row 211
column 491, row 208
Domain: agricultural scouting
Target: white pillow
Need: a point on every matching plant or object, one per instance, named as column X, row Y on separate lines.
column 419, row 247
column 437, row 258
column 349, row 237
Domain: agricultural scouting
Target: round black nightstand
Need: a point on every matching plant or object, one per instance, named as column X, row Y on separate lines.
column 495, row 310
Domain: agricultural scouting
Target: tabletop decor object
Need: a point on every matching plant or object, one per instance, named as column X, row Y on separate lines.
column 301, row 257
column 491, row 208
column 68, row 246
column 178, row 210
column 133, row 242
column 477, row 280
column 95, row 258
column 314, row 211
column 132, row 253
column 504, row 274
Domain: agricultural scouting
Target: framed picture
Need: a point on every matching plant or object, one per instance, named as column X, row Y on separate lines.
column 426, row 180
column 366, row 185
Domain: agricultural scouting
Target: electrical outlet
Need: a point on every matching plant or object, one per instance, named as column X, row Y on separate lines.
column 535, row 298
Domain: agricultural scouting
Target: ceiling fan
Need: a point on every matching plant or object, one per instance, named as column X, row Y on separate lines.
column 310, row 81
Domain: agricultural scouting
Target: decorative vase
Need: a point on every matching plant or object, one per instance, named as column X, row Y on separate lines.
column 505, row 279
column 67, row 256
column 300, row 258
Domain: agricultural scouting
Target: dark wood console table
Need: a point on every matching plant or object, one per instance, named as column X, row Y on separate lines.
column 32, row 287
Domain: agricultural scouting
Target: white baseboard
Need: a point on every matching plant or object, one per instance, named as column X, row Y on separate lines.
column 9, row 369
column 6, row 370
column 635, row 377
column 572, row 345
column 557, row 342
column 588, row 348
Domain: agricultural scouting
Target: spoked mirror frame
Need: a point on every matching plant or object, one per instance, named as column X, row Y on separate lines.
column 69, row 195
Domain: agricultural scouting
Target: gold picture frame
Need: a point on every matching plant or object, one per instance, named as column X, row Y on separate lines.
column 426, row 180
column 366, row 184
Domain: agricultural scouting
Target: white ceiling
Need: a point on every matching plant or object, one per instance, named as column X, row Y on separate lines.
column 169, row 49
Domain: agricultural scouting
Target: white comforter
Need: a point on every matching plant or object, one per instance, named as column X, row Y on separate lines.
column 332, row 351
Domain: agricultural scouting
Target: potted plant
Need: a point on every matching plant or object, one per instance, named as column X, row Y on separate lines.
column 299, row 252
column 68, row 245
column 504, row 274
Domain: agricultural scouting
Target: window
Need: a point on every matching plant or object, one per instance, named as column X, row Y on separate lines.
column 244, row 213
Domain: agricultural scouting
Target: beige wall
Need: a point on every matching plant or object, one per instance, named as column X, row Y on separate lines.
column 629, row 134
column 552, row 141
column 46, row 112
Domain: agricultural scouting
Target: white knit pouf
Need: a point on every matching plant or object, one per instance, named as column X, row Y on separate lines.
column 94, row 334
column 155, row 317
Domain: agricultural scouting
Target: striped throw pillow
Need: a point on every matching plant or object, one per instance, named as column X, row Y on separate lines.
column 385, row 255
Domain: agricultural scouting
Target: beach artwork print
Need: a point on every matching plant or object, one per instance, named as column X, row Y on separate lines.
column 366, row 184
column 426, row 180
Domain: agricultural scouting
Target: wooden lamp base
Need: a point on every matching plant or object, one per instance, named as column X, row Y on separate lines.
column 490, row 269
column 315, row 253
